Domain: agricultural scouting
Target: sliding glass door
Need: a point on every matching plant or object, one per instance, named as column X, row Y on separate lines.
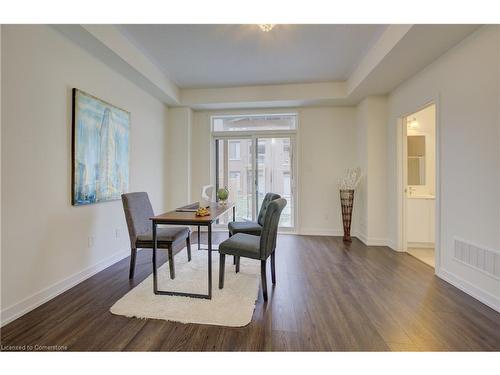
column 254, row 155
column 252, row 166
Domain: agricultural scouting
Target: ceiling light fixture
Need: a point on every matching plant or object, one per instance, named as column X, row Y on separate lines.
column 413, row 124
column 266, row 27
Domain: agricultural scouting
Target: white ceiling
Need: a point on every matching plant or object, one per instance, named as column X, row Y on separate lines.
column 241, row 55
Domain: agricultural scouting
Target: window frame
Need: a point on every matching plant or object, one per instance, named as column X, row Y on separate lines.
column 236, row 143
column 244, row 133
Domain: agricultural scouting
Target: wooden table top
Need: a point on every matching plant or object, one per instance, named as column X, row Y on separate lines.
column 189, row 218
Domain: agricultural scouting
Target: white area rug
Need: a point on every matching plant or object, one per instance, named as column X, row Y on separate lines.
column 232, row 306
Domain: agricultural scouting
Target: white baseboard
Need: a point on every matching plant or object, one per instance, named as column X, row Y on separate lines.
column 421, row 245
column 371, row 241
column 32, row 302
column 393, row 245
column 478, row 293
column 368, row 241
column 320, row 232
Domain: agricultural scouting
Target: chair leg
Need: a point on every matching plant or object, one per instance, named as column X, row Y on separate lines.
column 222, row 264
column 263, row 277
column 234, row 256
column 237, row 263
column 188, row 245
column 273, row 268
column 133, row 254
column 171, row 262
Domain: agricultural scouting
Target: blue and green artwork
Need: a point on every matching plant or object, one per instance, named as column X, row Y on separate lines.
column 100, row 150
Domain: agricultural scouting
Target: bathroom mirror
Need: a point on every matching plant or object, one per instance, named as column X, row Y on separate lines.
column 416, row 159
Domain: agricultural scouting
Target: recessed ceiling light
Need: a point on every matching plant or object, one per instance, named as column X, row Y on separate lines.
column 413, row 124
column 266, row 27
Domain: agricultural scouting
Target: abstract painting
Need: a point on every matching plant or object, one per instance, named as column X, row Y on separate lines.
column 100, row 150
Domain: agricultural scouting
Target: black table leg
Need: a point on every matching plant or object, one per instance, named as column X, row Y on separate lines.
column 198, row 237
column 210, row 248
column 234, row 219
column 155, row 275
column 181, row 294
column 209, row 261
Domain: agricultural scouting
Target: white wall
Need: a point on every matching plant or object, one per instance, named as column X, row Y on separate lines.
column 360, row 214
column 326, row 147
column 200, row 153
column 179, row 156
column 498, row 118
column 371, row 122
column 465, row 83
column 0, row 162
column 45, row 239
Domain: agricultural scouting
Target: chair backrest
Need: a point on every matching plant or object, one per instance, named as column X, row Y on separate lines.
column 138, row 210
column 270, row 227
column 262, row 212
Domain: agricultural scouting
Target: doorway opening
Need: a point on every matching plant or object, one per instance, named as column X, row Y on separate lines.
column 419, row 182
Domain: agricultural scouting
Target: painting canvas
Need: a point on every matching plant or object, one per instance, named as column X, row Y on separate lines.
column 100, row 150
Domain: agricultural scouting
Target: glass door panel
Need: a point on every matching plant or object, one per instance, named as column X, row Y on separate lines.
column 234, row 166
column 250, row 168
column 275, row 174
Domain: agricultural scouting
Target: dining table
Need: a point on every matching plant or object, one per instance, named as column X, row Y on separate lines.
column 189, row 218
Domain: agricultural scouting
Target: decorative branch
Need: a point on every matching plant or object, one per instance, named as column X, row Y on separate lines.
column 350, row 180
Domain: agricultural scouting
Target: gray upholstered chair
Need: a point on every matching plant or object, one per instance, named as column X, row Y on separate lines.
column 138, row 210
column 255, row 247
column 251, row 227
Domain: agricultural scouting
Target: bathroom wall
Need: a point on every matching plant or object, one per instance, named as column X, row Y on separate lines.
column 426, row 126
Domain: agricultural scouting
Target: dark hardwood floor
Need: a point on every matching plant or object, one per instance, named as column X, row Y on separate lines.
column 328, row 296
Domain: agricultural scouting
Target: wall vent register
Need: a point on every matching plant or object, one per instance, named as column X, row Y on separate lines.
column 485, row 260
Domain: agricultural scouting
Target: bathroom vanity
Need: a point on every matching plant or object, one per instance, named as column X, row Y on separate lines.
column 421, row 221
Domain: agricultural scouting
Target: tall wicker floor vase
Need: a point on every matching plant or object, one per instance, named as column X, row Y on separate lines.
column 346, row 202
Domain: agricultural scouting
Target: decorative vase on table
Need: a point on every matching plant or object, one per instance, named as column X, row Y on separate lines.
column 223, row 195
column 346, row 202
